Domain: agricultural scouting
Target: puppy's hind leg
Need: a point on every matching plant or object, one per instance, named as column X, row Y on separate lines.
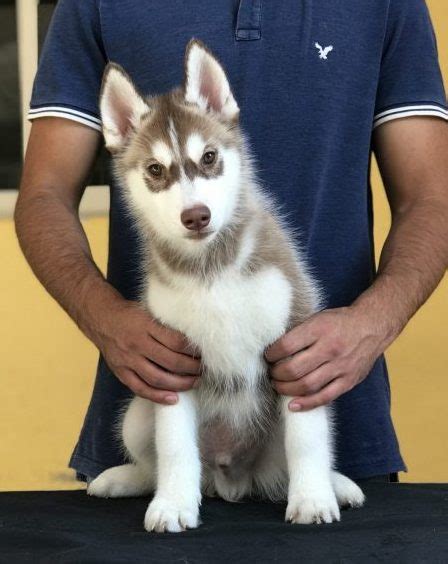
column 347, row 492
column 128, row 480
column 138, row 477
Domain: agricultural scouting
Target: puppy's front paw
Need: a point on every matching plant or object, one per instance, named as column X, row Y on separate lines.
column 305, row 508
column 167, row 515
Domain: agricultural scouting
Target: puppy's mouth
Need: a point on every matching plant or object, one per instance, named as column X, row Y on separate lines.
column 198, row 235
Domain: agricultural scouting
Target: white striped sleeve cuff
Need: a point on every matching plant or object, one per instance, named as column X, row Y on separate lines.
column 65, row 112
column 410, row 110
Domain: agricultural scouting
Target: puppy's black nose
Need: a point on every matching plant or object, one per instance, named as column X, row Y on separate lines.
column 196, row 218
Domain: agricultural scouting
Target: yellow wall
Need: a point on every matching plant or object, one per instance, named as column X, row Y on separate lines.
column 46, row 372
column 47, row 366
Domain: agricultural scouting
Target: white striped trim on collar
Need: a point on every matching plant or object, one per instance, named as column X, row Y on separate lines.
column 410, row 110
column 64, row 112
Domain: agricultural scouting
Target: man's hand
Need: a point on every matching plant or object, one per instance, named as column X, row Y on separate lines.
column 152, row 360
column 148, row 358
column 325, row 356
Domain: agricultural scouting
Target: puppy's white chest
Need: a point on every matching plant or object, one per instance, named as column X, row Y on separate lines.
column 231, row 320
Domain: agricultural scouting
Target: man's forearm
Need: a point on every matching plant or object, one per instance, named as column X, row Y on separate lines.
column 412, row 263
column 56, row 247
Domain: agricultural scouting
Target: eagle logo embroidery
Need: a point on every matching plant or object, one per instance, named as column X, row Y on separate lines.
column 323, row 51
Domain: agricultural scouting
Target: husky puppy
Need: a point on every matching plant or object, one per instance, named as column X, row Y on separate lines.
column 220, row 267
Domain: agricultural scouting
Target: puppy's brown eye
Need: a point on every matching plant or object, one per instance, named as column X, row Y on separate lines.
column 209, row 157
column 155, row 169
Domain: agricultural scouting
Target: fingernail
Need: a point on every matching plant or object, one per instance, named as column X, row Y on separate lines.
column 295, row 406
column 171, row 399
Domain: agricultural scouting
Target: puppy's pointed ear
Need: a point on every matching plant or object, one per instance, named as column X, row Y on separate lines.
column 121, row 106
column 206, row 83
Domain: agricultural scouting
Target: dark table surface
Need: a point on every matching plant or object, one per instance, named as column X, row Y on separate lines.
column 399, row 523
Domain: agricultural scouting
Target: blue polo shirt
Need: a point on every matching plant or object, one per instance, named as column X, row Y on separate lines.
column 313, row 78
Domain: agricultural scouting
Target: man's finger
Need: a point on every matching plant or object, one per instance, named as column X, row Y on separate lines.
column 303, row 403
column 299, row 365
column 178, row 363
column 172, row 339
column 309, row 384
column 158, row 378
column 140, row 388
column 292, row 342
